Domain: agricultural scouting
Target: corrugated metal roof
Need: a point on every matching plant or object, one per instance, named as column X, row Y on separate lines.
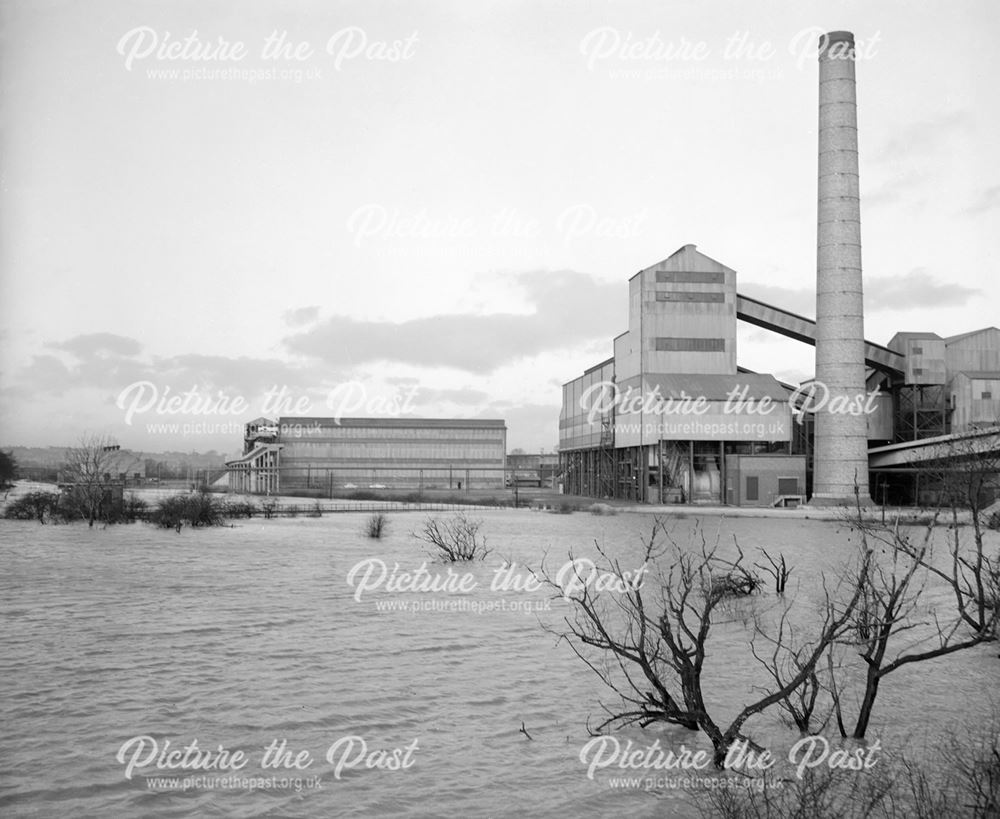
column 716, row 387
column 960, row 336
column 914, row 335
column 897, row 341
column 785, row 384
column 599, row 366
column 417, row 423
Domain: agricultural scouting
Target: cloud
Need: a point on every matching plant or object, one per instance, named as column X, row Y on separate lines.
column 925, row 137
column 91, row 344
column 463, row 397
column 793, row 299
column 907, row 291
column 987, row 201
column 244, row 375
column 912, row 290
column 91, row 366
column 893, row 190
column 529, row 426
column 300, row 316
column 46, row 373
column 570, row 308
column 902, row 161
column 95, row 368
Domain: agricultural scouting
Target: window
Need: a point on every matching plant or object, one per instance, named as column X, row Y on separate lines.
column 753, row 491
column 690, row 345
column 691, row 276
column 670, row 295
column 788, row 486
column 987, row 396
column 918, row 370
column 918, row 351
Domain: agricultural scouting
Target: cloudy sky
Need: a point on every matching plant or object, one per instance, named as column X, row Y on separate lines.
column 435, row 206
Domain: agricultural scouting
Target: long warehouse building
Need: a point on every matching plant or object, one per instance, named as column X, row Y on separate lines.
column 322, row 455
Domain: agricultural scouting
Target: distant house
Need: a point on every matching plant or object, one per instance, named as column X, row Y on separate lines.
column 126, row 466
column 121, row 466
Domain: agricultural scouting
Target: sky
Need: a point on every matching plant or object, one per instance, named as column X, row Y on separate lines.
column 212, row 211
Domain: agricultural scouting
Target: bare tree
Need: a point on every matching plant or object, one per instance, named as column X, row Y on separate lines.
column 652, row 638
column 455, row 539
column 375, row 525
column 786, row 658
column 970, row 479
column 89, row 469
column 778, row 569
column 896, row 624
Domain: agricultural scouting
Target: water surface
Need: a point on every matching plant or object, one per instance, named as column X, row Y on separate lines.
column 241, row 636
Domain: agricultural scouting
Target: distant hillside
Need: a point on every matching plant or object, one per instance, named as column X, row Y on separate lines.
column 53, row 456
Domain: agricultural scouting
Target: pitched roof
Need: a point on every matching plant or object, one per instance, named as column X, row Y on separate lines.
column 394, row 422
column 907, row 334
column 959, row 337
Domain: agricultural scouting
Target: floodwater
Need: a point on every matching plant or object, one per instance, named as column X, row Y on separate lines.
column 118, row 641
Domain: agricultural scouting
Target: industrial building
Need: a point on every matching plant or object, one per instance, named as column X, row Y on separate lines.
column 672, row 418
column 945, row 405
column 323, row 455
column 630, row 427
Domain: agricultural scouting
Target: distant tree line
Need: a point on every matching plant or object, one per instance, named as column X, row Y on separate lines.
column 8, row 470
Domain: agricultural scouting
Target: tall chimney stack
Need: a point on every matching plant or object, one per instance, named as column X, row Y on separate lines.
column 841, row 451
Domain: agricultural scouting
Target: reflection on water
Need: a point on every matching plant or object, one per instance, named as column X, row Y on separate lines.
column 249, row 637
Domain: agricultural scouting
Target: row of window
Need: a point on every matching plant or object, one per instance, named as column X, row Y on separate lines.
column 705, row 298
column 345, row 451
column 690, row 276
column 574, row 391
column 690, row 345
column 308, row 429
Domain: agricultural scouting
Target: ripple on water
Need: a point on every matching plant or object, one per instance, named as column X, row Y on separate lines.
column 238, row 637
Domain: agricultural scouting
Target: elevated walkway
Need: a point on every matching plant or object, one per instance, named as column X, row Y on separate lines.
column 954, row 447
column 803, row 329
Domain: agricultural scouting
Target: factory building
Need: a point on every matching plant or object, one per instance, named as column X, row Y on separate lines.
column 945, row 406
column 945, row 385
column 670, row 418
column 324, row 455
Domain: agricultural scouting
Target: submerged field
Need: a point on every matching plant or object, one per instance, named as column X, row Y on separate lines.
column 253, row 636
